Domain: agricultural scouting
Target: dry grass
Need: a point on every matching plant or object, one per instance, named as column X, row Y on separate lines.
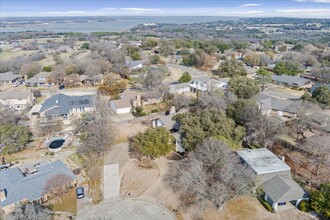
column 68, row 204
column 9, row 54
column 137, row 180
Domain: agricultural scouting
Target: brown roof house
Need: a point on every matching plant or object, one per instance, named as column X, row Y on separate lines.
column 274, row 177
column 16, row 99
column 124, row 104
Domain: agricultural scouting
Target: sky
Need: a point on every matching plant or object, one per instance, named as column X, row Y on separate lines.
column 234, row 8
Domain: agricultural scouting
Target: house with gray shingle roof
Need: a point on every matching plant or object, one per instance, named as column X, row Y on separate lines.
column 16, row 99
column 273, row 175
column 292, row 81
column 281, row 190
column 63, row 106
column 206, row 83
column 9, row 78
column 28, row 184
column 39, row 79
column 270, row 105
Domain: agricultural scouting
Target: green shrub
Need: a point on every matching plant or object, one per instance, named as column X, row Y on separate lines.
column 154, row 110
column 266, row 205
column 186, row 77
column 304, row 206
column 139, row 112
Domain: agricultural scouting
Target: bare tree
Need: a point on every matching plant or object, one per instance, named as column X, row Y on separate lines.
column 181, row 101
column 302, row 121
column 214, row 98
column 319, row 147
column 8, row 117
column 57, row 185
column 211, row 174
column 263, row 131
column 58, row 74
column 98, row 134
column 29, row 212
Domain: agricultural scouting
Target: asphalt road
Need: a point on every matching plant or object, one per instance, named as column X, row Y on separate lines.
column 128, row 209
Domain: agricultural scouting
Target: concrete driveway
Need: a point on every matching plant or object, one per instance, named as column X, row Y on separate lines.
column 128, row 209
column 111, row 182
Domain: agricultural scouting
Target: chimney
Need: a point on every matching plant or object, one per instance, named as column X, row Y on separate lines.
column 56, row 101
column 138, row 100
column 3, row 195
column 283, row 158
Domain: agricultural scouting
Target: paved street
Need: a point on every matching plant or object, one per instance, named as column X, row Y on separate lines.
column 128, row 209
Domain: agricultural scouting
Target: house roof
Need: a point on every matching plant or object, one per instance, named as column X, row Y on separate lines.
column 8, row 76
column 134, row 63
column 283, row 189
column 62, row 104
column 122, row 103
column 263, row 161
column 19, row 187
column 169, row 123
column 174, row 87
column 290, row 80
column 283, row 105
column 14, row 94
column 39, row 78
column 125, row 101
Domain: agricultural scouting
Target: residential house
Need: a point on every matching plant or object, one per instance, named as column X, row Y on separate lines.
column 147, row 98
column 292, row 81
column 167, row 122
column 179, row 88
column 63, row 49
column 9, row 78
column 63, row 106
column 16, row 99
column 206, row 83
column 40, row 79
column 320, row 121
column 19, row 185
column 134, row 64
column 171, row 125
column 91, row 80
column 280, row 107
column 124, row 104
column 274, row 177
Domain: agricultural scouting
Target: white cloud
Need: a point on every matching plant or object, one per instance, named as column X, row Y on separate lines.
column 248, row 12
column 139, row 9
column 251, row 5
column 103, row 9
column 66, row 12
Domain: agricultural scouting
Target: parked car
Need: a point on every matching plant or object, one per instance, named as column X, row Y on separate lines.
column 15, row 84
column 61, row 87
column 80, row 192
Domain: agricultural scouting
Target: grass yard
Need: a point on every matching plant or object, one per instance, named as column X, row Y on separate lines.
column 78, row 159
column 69, row 203
column 9, row 54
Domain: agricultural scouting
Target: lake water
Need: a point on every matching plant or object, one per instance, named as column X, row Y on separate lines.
column 94, row 25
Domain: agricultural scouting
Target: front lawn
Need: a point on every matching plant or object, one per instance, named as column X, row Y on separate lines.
column 69, row 203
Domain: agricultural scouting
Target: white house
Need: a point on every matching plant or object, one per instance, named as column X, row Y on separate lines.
column 16, row 99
